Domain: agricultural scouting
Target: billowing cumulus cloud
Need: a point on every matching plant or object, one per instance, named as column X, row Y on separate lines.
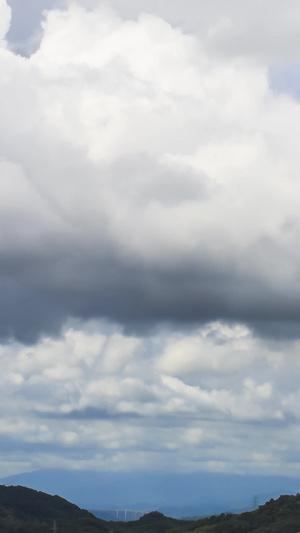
column 150, row 178
column 149, row 258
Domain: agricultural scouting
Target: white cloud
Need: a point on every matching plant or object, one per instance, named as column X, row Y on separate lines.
column 217, row 348
column 61, row 393
column 265, row 31
column 118, row 353
column 111, row 89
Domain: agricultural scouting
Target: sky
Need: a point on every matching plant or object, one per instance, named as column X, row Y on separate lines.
column 149, row 243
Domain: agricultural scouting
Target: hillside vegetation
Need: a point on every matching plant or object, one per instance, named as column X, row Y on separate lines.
column 24, row 510
column 276, row 516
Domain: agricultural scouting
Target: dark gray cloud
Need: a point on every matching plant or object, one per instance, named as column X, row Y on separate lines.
column 38, row 295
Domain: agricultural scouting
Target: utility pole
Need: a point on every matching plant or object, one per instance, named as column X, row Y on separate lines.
column 255, row 502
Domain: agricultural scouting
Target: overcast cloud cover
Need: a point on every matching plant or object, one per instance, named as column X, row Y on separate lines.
column 149, row 244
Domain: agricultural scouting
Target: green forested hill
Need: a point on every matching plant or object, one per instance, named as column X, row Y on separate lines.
column 24, row 510
column 151, row 523
column 276, row 516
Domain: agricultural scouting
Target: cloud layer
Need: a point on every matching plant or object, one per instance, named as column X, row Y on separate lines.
column 155, row 181
column 149, row 258
column 217, row 399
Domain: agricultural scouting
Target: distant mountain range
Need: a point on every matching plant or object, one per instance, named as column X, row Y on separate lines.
column 174, row 494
